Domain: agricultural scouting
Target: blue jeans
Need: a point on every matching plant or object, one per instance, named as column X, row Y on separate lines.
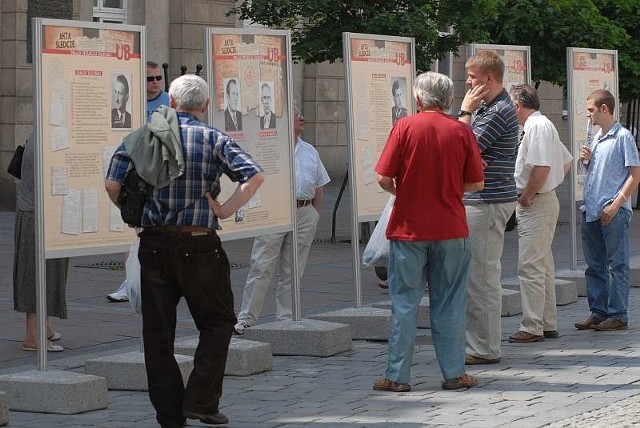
column 606, row 251
column 445, row 265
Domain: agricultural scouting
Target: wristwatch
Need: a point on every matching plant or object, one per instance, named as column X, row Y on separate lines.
column 463, row 113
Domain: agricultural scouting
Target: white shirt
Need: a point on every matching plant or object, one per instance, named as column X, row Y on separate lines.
column 541, row 146
column 310, row 172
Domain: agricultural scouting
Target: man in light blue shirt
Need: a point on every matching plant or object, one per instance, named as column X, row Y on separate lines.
column 156, row 97
column 613, row 173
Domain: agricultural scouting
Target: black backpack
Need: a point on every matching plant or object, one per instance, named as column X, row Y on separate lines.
column 132, row 198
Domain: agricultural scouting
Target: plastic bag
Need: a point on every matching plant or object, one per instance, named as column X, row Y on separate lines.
column 133, row 277
column 377, row 250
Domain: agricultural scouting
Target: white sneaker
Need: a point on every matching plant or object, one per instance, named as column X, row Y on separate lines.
column 120, row 295
column 240, row 327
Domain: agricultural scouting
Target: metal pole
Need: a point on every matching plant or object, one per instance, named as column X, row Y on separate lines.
column 355, row 238
column 296, row 308
column 574, row 167
column 41, row 292
column 335, row 206
column 165, row 71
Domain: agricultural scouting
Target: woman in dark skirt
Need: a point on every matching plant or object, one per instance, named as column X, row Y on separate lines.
column 24, row 263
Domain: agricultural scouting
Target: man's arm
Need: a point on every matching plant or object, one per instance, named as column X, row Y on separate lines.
column 566, row 167
column 241, row 196
column 387, row 183
column 629, row 186
column 474, row 187
column 472, row 100
column 537, row 178
column 113, row 190
column 318, row 198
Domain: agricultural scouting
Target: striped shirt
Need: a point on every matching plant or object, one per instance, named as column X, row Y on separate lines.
column 496, row 128
column 208, row 153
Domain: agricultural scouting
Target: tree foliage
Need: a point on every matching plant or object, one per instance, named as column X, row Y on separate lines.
column 548, row 27
column 626, row 14
column 317, row 25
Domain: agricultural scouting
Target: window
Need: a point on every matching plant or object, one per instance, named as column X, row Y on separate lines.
column 114, row 11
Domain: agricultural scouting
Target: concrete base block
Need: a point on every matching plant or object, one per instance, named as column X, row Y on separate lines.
column 366, row 323
column 581, row 285
column 511, row 303
column 246, row 357
column 127, row 371
column 577, row 276
column 305, row 337
column 424, row 311
column 566, row 290
column 54, row 391
column 4, row 410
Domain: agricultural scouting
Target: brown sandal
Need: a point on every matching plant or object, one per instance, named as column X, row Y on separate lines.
column 464, row 381
column 389, row 385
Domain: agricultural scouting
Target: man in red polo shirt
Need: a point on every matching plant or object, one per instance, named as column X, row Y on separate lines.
column 429, row 161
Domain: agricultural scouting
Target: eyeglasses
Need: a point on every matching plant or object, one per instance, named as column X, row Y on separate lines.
column 152, row 78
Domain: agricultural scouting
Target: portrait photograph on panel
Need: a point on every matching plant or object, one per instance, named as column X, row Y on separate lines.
column 267, row 103
column 120, row 100
column 398, row 98
column 232, row 108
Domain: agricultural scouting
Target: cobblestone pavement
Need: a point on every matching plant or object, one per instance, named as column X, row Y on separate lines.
column 582, row 379
column 563, row 382
column 625, row 413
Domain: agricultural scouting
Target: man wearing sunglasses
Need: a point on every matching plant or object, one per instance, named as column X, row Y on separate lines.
column 156, row 96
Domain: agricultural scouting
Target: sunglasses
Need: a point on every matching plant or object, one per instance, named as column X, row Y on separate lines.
column 152, row 78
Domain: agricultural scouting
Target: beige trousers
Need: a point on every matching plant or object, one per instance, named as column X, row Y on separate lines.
column 536, row 228
column 484, row 305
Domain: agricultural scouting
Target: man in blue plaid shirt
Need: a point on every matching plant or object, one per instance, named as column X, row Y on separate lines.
column 181, row 255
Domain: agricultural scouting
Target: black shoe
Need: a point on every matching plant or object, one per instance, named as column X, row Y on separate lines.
column 181, row 423
column 217, row 419
column 551, row 334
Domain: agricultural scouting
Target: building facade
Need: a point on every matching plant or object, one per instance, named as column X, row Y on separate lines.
column 174, row 30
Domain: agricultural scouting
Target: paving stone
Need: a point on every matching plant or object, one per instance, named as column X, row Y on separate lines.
column 566, row 291
column 366, row 323
column 245, row 357
column 4, row 409
column 424, row 311
column 54, row 391
column 304, row 337
column 127, row 371
column 511, row 303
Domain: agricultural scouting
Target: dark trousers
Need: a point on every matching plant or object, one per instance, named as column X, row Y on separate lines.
column 176, row 264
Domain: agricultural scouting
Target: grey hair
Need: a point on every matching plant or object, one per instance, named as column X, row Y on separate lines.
column 433, row 90
column 190, row 92
column 526, row 96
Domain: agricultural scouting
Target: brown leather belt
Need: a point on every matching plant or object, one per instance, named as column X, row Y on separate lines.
column 187, row 230
column 303, row 202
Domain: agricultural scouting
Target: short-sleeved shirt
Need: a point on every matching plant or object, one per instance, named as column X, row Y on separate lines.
column 431, row 156
column 208, row 153
column 541, row 146
column 310, row 172
column 152, row 105
column 496, row 128
column 611, row 155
